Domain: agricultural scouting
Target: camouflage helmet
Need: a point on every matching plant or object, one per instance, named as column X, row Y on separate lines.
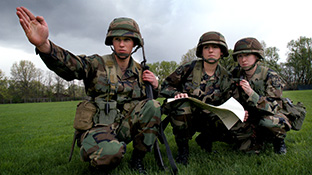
column 248, row 45
column 212, row 38
column 126, row 27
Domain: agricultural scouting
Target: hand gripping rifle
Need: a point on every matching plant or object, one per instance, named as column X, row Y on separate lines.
column 161, row 136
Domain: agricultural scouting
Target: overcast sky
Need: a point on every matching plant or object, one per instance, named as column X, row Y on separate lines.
column 169, row 27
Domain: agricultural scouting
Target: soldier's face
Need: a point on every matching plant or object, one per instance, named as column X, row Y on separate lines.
column 123, row 45
column 246, row 60
column 212, row 51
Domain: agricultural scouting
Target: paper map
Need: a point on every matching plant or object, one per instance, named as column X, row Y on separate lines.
column 229, row 112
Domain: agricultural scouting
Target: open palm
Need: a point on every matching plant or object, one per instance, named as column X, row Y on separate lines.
column 35, row 28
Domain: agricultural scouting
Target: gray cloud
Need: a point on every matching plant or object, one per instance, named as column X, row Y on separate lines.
column 169, row 27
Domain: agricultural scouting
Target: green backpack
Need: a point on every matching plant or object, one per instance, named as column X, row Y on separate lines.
column 295, row 113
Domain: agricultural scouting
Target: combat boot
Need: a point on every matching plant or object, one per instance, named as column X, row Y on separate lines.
column 183, row 152
column 136, row 161
column 204, row 142
column 279, row 146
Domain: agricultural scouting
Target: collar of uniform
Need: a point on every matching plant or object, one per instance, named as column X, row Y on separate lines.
column 132, row 69
column 258, row 69
column 216, row 73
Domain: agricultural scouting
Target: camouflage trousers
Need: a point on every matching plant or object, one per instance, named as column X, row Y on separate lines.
column 251, row 134
column 187, row 119
column 244, row 135
column 106, row 145
column 277, row 125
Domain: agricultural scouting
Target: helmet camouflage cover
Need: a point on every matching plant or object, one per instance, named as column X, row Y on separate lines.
column 126, row 27
column 212, row 38
column 248, row 45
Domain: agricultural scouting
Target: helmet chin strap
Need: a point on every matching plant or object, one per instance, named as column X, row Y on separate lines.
column 211, row 60
column 251, row 67
column 124, row 56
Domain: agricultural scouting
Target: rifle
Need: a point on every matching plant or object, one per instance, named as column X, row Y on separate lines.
column 73, row 145
column 162, row 136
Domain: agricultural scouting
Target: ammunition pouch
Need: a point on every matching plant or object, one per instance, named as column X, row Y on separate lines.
column 84, row 115
column 108, row 112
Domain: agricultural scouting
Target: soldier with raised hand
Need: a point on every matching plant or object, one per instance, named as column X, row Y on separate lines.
column 259, row 91
column 204, row 79
column 118, row 110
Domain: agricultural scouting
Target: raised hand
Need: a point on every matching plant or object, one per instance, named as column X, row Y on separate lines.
column 35, row 28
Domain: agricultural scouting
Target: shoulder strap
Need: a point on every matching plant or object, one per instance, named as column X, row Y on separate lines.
column 184, row 77
column 198, row 66
column 197, row 72
column 111, row 72
column 264, row 73
column 139, row 67
column 223, row 71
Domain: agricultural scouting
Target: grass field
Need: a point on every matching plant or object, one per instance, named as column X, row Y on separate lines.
column 36, row 139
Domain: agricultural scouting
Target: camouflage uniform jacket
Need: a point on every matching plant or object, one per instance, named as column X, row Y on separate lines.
column 267, row 86
column 91, row 70
column 214, row 89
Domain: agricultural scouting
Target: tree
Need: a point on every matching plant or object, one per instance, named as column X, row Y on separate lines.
column 49, row 84
column 271, row 58
column 286, row 73
column 299, row 60
column 4, row 95
column 189, row 56
column 80, row 90
column 59, row 86
column 38, row 84
column 163, row 69
column 75, row 89
column 23, row 74
column 228, row 62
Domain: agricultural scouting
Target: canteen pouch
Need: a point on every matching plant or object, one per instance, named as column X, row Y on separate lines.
column 85, row 112
column 108, row 113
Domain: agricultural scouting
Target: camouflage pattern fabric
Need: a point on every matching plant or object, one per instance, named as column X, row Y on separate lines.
column 264, row 104
column 106, row 145
column 248, row 45
column 214, row 90
column 244, row 136
column 91, row 70
column 196, row 118
column 141, row 126
column 124, row 27
column 101, row 147
column 212, row 38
